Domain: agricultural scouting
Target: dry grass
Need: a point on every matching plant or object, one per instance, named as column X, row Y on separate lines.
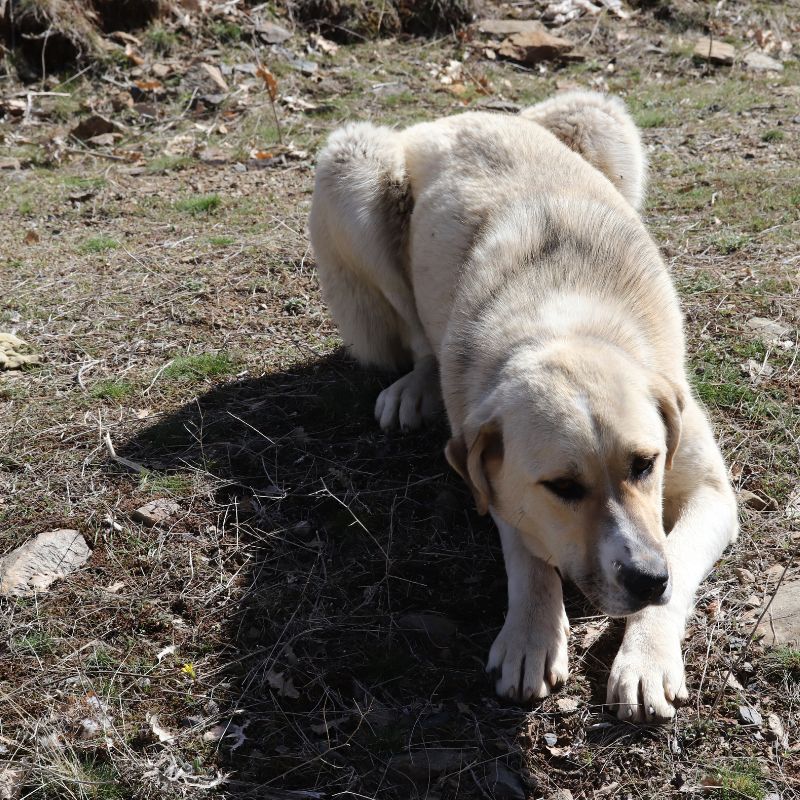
column 284, row 601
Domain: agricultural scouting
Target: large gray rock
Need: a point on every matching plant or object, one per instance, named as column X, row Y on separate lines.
column 760, row 62
column 781, row 624
column 39, row 562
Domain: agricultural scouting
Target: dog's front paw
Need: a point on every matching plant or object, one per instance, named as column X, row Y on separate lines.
column 532, row 660
column 411, row 400
column 647, row 678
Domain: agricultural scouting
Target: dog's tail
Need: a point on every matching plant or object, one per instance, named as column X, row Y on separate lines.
column 600, row 128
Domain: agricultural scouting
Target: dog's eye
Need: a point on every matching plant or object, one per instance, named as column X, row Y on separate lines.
column 566, row 489
column 641, row 467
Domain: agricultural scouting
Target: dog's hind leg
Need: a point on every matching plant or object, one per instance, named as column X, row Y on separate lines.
column 359, row 221
column 599, row 128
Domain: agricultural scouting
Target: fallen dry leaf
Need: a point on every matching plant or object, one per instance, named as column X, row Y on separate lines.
column 283, row 686
column 269, row 80
column 162, row 734
column 133, row 56
column 216, row 76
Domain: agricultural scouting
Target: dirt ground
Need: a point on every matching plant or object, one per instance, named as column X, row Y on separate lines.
column 313, row 619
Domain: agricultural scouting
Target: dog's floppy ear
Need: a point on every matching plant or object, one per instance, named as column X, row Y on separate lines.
column 474, row 462
column 671, row 400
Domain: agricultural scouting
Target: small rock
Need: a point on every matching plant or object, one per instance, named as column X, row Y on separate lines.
column 155, row 512
column 744, row 576
column 567, row 704
column 303, row 66
column 508, row 27
column 772, row 796
column 761, row 62
column 438, row 630
column 768, row 330
column 776, row 729
column 214, row 156
column 10, row 163
column 561, row 794
column 40, row 562
column 732, row 683
column 271, row 33
column 715, row 51
column 756, row 370
column 756, row 502
column 535, row 46
column 102, row 140
column 550, row 739
column 749, row 716
column 781, row 623
column 754, row 601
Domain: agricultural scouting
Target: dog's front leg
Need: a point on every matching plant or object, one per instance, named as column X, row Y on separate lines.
column 530, row 652
column 647, row 677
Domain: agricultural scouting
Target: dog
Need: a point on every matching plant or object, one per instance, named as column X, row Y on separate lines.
column 502, row 261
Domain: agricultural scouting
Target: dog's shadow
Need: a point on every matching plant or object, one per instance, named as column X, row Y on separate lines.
column 368, row 592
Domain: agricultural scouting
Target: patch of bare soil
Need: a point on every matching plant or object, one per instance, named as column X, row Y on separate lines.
column 310, row 616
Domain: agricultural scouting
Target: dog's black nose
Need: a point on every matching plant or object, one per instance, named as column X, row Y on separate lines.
column 645, row 585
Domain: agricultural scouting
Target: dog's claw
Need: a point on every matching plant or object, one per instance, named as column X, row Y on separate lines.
column 645, row 669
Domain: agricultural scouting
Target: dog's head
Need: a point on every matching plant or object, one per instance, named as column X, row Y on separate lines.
column 570, row 448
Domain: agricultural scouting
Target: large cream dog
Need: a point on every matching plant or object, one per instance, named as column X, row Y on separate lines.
column 502, row 258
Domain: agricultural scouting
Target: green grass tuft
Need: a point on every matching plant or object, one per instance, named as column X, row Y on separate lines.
column 204, row 365
column 174, row 484
column 199, row 204
column 169, row 164
column 773, row 136
column 650, row 118
column 160, row 39
column 226, row 31
column 728, row 243
column 99, row 244
column 742, row 780
column 111, row 389
column 783, row 661
column 221, row 241
column 77, row 182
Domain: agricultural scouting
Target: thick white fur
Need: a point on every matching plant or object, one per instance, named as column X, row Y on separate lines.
column 601, row 130
column 506, row 253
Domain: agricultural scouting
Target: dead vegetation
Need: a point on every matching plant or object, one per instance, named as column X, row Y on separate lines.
column 311, row 616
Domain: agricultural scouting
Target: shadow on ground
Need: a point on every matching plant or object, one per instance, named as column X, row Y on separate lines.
column 368, row 596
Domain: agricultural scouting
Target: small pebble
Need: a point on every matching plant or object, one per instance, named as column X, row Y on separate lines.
column 744, row 576
column 749, row 716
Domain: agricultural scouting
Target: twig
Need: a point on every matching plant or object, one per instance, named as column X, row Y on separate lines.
column 135, row 466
